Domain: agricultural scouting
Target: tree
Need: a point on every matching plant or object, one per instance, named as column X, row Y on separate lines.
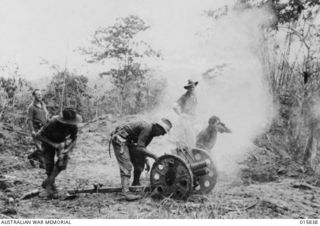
column 68, row 89
column 14, row 94
column 118, row 44
column 287, row 11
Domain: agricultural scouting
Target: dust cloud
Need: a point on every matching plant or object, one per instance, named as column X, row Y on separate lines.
column 235, row 89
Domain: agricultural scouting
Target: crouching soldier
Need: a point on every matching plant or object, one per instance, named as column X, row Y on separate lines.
column 58, row 138
column 129, row 143
column 206, row 139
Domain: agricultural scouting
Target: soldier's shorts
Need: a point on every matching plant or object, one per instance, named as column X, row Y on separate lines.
column 62, row 160
column 49, row 153
column 138, row 158
column 122, row 154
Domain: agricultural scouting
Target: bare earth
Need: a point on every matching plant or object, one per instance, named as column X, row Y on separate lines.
column 90, row 163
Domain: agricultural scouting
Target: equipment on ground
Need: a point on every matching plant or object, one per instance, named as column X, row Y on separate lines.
column 178, row 175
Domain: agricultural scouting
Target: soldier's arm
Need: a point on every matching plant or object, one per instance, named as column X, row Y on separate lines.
column 225, row 128
column 147, row 164
column 141, row 144
column 179, row 103
column 74, row 133
column 46, row 110
column 176, row 108
column 73, row 137
column 38, row 136
column 70, row 146
column 148, row 153
column 29, row 120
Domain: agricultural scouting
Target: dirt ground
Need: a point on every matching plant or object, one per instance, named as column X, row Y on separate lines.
column 90, row 163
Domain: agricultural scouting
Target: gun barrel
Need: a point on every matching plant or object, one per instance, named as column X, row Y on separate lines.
column 109, row 189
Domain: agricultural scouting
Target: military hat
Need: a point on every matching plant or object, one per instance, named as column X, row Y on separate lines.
column 69, row 116
column 165, row 124
column 191, row 84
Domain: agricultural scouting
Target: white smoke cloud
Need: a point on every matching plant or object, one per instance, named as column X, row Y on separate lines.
column 237, row 92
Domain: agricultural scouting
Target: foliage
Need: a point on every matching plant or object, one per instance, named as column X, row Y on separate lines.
column 285, row 11
column 291, row 64
column 14, row 94
column 146, row 93
column 293, row 77
column 68, row 89
column 119, row 45
column 118, row 41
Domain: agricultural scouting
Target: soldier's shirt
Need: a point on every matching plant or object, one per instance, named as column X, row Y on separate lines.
column 57, row 132
column 38, row 115
column 188, row 103
column 140, row 133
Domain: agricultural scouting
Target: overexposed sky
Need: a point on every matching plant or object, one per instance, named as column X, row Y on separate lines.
column 52, row 29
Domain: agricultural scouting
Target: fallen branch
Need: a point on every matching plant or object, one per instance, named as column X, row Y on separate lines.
column 243, row 209
column 304, row 186
column 3, row 216
column 273, row 203
column 94, row 120
column 30, row 194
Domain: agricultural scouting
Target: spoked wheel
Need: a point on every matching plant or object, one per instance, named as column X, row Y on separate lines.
column 205, row 183
column 171, row 177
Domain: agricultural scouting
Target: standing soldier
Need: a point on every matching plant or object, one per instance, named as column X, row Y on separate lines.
column 36, row 119
column 129, row 143
column 206, row 139
column 188, row 102
column 185, row 107
column 58, row 138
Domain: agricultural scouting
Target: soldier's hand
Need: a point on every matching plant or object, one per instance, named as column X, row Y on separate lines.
column 155, row 157
column 147, row 166
column 59, row 146
column 33, row 134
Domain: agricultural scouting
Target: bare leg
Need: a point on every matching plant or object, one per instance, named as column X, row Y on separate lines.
column 136, row 177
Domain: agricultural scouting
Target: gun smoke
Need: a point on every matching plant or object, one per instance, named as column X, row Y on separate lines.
column 234, row 87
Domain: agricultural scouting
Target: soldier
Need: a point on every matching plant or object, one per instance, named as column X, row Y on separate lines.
column 58, row 138
column 129, row 143
column 37, row 118
column 188, row 102
column 206, row 139
column 185, row 107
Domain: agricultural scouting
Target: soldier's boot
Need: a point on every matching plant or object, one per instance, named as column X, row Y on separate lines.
column 42, row 162
column 136, row 178
column 51, row 189
column 125, row 181
column 49, row 183
column 32, row 159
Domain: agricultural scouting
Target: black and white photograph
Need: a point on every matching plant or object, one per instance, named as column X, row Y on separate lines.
column 159, row 109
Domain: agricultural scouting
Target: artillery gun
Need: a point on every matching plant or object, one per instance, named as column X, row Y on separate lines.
column 189, row 170
column 178, row 175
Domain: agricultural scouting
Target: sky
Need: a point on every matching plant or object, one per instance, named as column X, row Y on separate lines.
column 52, row 29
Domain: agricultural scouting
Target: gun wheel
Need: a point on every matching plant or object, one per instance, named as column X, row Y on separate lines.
column 206, row 182
column 171, row 177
